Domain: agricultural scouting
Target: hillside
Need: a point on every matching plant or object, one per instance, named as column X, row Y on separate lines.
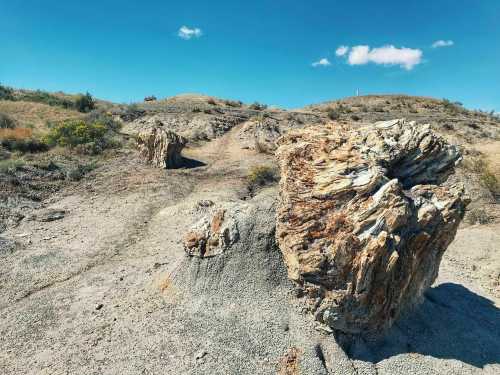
column 95, row 278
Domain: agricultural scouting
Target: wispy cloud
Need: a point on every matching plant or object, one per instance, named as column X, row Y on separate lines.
column 388, row 55
column 342, row 50
column 188, row 33
column 442, row 43
column 322, row 62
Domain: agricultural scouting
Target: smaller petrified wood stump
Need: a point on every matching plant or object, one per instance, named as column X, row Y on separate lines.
column 362, row 220
column 161, row 147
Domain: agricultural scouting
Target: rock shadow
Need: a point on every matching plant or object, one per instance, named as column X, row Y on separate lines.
column 187, row 163
column 451, row 323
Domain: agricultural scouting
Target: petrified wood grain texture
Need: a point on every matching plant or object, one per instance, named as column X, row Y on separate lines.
column 362, row 218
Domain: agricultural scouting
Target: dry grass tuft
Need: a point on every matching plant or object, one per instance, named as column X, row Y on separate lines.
column 261, row 175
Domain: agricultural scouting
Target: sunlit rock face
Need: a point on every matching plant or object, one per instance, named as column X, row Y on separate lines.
column 363, row 218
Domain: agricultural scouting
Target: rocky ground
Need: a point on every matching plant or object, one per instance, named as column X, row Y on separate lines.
column 94, row 277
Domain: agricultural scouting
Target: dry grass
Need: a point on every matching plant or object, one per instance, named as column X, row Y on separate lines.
column 261, row 175
column 16, row 134
column 36, row 115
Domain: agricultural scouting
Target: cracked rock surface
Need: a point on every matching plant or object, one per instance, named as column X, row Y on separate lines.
column 363, row 221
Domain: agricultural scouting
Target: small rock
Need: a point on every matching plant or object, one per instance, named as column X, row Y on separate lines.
column 99, row 306
column 201, row 354
column 49, row 215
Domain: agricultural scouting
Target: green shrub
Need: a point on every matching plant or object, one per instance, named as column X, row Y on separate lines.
column 6, row 93
column 103, row 118
column 450, row 107
column 91, row 135
column 342, row 108
column 75, row 132
column 333, row 114
column 260, row 176
column 39, row 96
column 77, row 173
column 85, row 103
column 11, row 165
column 6, row 122
column 490, row 181
column 258, row 106
column 30, row 145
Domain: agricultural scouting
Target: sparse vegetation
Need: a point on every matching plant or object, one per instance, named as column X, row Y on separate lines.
column 11, row 165
column 453, row 108
column 88, row 136
column 6, row 122
column 262, row 147
column 39, row 96
column 478, row 216
column 333, row 114
column 85, row 103
column 260, row 176
column 6, row 93
column 258, row 106
column 490, row 181
column 77, row 173
column 487, row 178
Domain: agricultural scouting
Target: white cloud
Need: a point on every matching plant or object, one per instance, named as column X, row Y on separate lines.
column 442, row 43
column 389, row 55
column 342, row 50
column 188, row 33
column 359, row 55
column 322, row 62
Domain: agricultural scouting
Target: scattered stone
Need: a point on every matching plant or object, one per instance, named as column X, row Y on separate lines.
column 200, row 354
column 161, row 147
column 157, row 265
column 49, row 215
column 99, row 306
column 362, row 221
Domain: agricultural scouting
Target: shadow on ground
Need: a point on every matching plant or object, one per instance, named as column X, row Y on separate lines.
column 187, row 163
column 452, row 323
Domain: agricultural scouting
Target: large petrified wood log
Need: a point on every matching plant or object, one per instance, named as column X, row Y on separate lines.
column 362, row 221
column 161, row 147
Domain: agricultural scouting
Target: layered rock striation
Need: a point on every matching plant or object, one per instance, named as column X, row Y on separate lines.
column 364, row 218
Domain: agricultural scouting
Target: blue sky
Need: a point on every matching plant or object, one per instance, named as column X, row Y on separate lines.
column 262, row 50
